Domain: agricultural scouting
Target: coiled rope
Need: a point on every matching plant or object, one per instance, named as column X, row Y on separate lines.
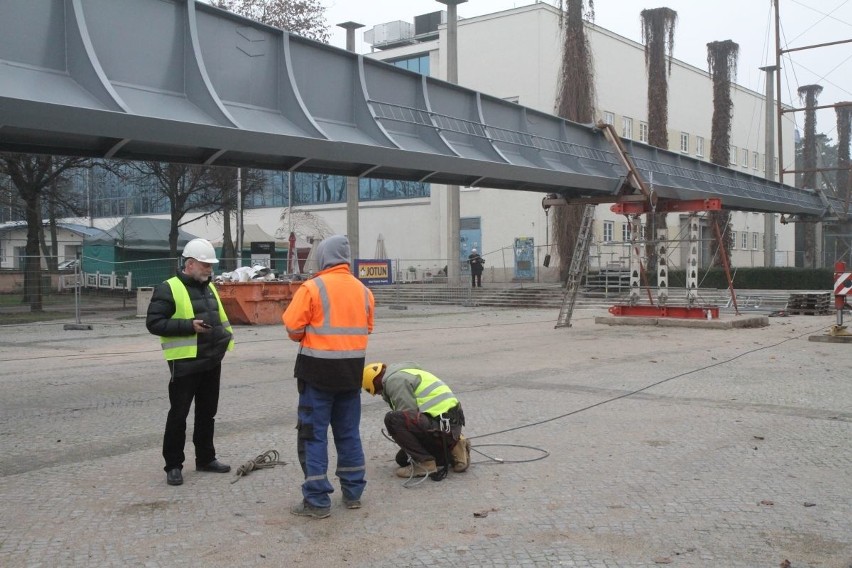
column 263, row 461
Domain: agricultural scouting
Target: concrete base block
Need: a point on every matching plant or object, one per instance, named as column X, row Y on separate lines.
column 831, row 338
column 728, row 323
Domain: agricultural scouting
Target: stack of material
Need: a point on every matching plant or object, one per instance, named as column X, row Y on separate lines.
column 810, row 303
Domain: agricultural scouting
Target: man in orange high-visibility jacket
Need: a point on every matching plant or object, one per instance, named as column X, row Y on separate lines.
column 330, row 317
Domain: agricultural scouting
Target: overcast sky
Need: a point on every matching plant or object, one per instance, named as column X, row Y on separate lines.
column 747, row 22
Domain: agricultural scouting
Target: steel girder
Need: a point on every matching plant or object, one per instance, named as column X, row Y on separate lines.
column 178, row 80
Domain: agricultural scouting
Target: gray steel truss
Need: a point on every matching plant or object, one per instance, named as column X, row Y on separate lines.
column 178, row 80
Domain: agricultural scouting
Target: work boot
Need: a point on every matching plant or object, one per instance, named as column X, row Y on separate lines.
column 351, row 503
column 461, row 454
column 174, row 476
column 215, row 466
column 417, row 469
column 305, row 509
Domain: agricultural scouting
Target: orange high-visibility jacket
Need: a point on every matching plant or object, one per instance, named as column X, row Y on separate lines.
column 331, row 316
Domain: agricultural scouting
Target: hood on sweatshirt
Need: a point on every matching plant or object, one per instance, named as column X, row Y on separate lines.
column 333, row 251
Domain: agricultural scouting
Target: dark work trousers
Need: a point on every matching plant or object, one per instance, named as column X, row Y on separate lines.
column 476, row 280
column 419, row 435
column 204, row 388
column 342, row 411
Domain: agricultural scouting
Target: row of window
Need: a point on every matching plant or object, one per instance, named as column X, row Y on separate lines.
column 754, row 160
column 112, row 195
column 740, row 239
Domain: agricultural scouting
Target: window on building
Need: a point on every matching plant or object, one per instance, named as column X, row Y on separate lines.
column 643, row 132
column 733, row 160
column 744, row 241
column 608, row 118
column 417, row 63
column 627, row 127
column 684, row 142
column 745, row 157
column 775, row 171
column 755, row 159
column 608, row 227
column 733, row 239
column 625, row 232
column 755, row 241
column 699, row 146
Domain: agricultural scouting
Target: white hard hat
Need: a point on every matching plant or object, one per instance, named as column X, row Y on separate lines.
column 472, row 250
column 201, row 250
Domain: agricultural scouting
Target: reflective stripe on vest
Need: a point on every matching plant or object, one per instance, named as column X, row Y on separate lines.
column 432, row 395
column 326, row 329
column 186, row 346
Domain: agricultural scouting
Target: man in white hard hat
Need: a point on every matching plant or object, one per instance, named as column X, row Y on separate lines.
column 187, row 314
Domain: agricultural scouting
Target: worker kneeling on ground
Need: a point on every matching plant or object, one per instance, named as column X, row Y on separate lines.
column 426, row 419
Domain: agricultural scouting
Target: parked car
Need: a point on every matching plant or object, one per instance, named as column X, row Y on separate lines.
column 72, row 264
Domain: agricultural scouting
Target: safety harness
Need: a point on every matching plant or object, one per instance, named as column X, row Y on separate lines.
column 446, row 421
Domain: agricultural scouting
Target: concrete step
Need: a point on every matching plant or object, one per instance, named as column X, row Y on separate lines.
column 551, row 296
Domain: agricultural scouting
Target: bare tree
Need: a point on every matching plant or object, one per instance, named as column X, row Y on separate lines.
column 844, row 123
column 809, row 94
column 224, row 183
column 575, row 102
column 186, row 188
column 302, row 17
column 34, row 176
column 658, row 27
column 722, row 64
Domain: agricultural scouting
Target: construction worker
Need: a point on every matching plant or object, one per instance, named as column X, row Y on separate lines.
column 425, row 420
column 330, row 317
column 187, row 314
column 477, row 267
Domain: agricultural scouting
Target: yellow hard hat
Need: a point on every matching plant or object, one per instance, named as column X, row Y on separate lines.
column 371, row 371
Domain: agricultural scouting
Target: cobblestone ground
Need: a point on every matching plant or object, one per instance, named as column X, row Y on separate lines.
column 594, row 446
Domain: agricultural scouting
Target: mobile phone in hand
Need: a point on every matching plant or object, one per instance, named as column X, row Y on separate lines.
column 206, row 325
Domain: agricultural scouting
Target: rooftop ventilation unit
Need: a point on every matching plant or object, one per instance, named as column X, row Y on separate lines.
column 389, row 34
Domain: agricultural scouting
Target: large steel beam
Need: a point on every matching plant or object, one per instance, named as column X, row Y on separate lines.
column 200, row 85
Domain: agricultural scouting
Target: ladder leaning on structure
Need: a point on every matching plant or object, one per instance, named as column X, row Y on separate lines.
column 578, row 266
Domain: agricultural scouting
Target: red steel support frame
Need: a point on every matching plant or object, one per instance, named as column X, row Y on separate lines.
column 674, row 206
column 637, row 198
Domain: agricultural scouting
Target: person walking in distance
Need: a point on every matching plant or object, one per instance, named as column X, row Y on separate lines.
column 187, row 314
column 330, row 316
column 425, row 419
column 477, row 266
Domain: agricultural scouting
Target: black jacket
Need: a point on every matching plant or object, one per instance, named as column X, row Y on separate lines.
column 476, row 263
column 211, row 346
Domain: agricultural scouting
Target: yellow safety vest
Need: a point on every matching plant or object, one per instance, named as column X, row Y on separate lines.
column 186, row 346
column 433, row 397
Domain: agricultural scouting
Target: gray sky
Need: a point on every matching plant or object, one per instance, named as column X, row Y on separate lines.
column 747, row 22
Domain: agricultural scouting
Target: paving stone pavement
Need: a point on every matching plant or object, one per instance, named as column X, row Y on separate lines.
column 594, row 446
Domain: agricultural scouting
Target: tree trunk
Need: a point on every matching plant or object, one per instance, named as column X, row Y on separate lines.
column 809, row 153
column 658, row 26
column 576, row 102
column 32, row 262
column 722, row 63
